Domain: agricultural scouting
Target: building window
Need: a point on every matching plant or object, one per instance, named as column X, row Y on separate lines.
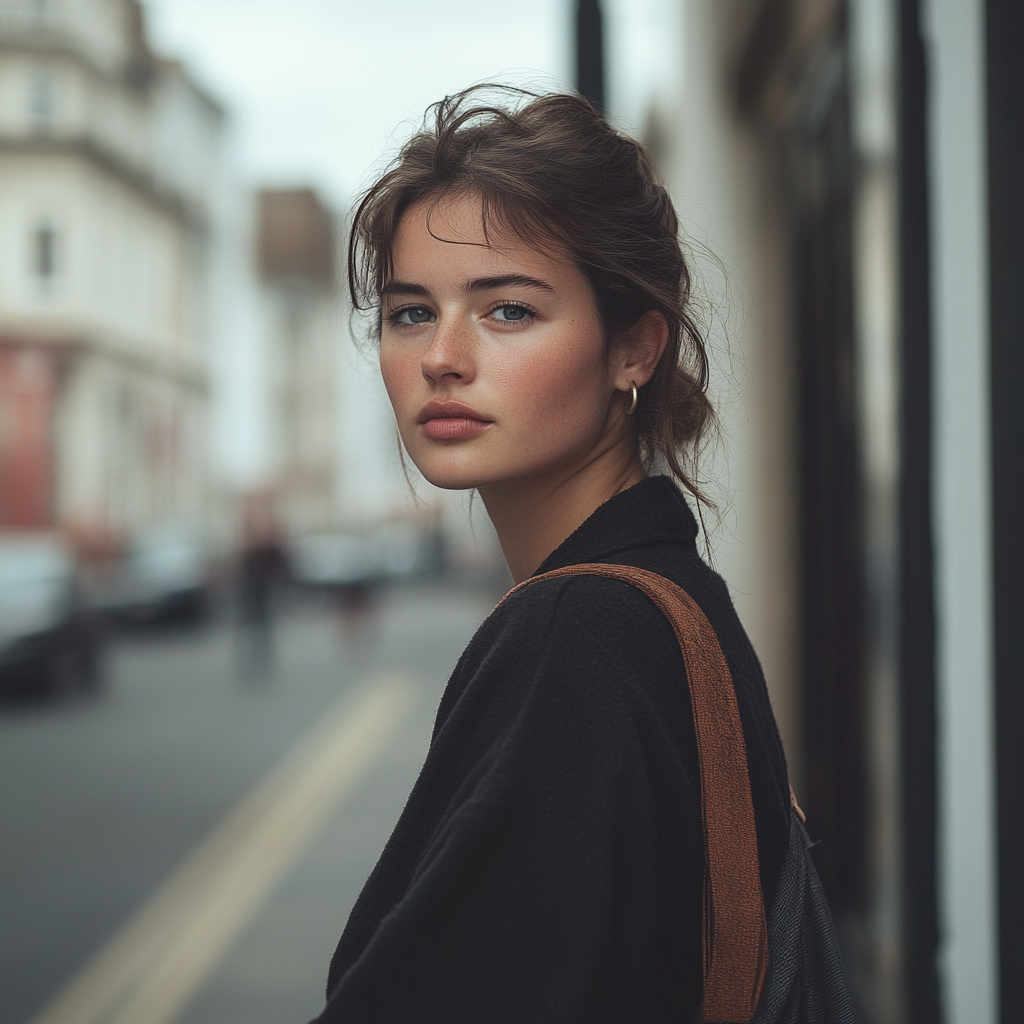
column 44, row 12
column 42, row 97
column 44, row 252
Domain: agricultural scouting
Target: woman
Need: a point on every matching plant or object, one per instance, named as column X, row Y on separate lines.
column 537, row 345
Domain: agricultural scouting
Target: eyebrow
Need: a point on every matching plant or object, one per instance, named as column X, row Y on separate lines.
column 404, row 288
column 478, row 284
column 482, row 284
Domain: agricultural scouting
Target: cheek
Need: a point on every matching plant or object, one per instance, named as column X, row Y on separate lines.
column 564, row 375
column 399, row 371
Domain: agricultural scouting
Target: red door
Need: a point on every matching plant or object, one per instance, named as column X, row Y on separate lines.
column 26, row 437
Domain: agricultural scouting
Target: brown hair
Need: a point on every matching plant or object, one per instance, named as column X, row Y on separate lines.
column 556, row 173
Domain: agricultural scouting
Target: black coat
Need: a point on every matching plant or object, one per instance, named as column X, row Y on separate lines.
column 549, row 863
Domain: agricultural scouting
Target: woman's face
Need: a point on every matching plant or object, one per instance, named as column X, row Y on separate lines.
column 493, row 355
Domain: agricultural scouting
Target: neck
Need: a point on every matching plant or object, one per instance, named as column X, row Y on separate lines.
column 532, row 517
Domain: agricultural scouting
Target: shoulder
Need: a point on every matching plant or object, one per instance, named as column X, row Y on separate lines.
column 581, row 643
column 578, row 676
column 579, row 614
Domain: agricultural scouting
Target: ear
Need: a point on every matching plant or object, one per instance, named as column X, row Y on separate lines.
column 636, row 351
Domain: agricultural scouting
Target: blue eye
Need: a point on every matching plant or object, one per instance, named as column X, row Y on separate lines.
column 511, row 313
column 412, row 315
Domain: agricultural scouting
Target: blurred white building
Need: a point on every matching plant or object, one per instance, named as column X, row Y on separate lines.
column 301, row 310
column 109, row 171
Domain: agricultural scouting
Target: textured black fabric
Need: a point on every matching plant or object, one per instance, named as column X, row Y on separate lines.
column 806, row 978
column 549, row 863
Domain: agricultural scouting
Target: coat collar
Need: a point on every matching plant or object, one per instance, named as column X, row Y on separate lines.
column 648, row 514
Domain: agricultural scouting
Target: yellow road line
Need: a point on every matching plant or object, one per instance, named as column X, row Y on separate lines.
column 161, row 956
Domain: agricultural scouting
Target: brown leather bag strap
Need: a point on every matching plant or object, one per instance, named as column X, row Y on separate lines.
column 735, row 934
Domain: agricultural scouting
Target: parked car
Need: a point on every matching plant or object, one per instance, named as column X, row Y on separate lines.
column 391, row 551
column 164, row 577
column 332, row 560
column 50, row 638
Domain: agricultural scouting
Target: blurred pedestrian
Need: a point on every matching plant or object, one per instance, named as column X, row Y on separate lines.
column 261, row 569
column 603, row 829
column 357, row 606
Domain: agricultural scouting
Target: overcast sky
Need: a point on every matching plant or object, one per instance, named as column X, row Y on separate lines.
column 319, row 90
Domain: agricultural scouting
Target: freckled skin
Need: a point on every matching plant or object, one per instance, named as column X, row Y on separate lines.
column 557, row 441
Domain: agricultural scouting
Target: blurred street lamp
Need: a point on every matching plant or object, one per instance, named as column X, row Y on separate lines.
column 590, row 52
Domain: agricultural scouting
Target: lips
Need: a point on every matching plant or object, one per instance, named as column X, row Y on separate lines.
column 450, row 421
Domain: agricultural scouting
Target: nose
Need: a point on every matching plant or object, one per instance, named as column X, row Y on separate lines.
column 450, row 354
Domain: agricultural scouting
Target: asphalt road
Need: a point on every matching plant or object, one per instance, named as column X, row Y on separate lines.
column 185, row 848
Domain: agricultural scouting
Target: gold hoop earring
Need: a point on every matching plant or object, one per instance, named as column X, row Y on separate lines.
column 634, row 398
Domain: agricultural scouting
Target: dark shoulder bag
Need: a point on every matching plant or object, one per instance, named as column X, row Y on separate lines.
column 788, row 969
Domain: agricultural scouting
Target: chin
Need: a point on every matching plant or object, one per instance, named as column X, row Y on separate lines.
column 453, row 479
column 458, row 474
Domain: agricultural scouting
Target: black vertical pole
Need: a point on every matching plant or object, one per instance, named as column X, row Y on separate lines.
column 917, row 609
column 590, row 52
column 1004, row 31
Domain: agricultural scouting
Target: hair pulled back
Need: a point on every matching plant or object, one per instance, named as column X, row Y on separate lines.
column 555, row 172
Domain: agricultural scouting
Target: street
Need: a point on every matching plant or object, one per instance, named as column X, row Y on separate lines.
column 185, row 848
